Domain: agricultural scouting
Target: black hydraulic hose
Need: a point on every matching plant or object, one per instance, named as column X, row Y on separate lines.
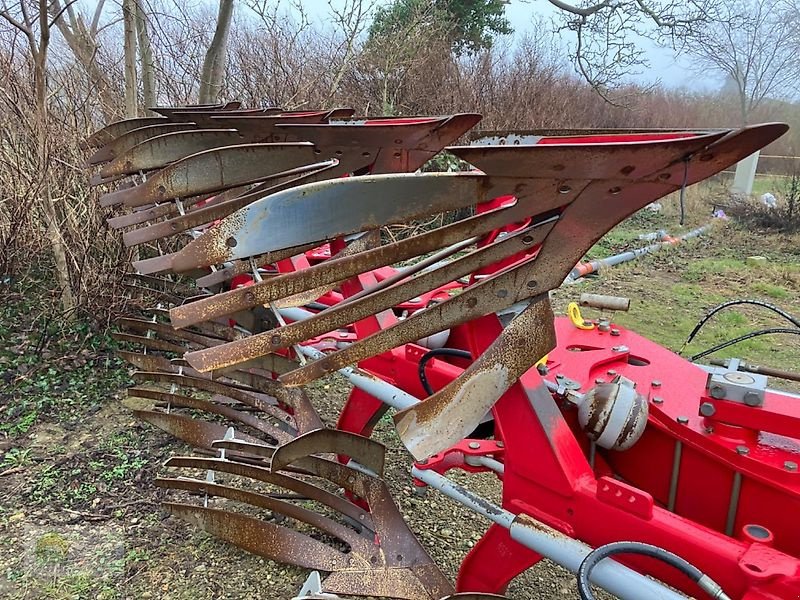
column 793, row 320
column 741, row 338
column 595, row 556
column 423, row 379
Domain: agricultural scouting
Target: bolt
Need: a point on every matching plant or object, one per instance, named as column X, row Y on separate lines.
column 707, row 409
column 683, row 420
column 717, row 391
column 474, row 445
column 620, row 349
column 658, row 400
column 615, row 332
column 790, row 465
column 709, row 430
column 611, row 372
column 598, row 381
column 752, row 399
column 603, row 325
column 656, row 383
column 500, row 444
column 559, row 376
column 542, row 369
column 742, row 450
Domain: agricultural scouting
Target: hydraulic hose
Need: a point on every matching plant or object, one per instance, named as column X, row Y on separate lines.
column 707, row 584
column 423, row 378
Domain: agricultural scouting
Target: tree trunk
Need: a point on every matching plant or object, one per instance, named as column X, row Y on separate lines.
column 53, row 230
column 146, row 58
column 131, row 83
column 214, row 63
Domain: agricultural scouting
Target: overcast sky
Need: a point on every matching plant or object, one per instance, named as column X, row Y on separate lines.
column 671, row 70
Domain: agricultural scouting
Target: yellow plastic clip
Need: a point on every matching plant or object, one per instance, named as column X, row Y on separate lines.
column 574, row 314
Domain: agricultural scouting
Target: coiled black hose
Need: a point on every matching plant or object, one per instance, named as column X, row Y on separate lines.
column 423, row 378
column 760, row 303
column 595, row 556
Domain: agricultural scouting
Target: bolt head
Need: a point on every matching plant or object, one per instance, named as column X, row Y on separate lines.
column 683, row 420
column 752, row 399
column 790, row 465
column 742, row 450
column 611, row 372
column 658, row 400
column 474, row 445
column 615, row 332
column 598, row 381
column 656, row 383
column 717, row 391
column 707, row 409
column 500, row 444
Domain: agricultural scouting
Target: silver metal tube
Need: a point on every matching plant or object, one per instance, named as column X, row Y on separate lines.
column 567, row 552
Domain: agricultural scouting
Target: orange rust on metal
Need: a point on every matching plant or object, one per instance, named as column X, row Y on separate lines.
column 286, row 509
column 339, row 316
column 167, row 333
column 219, row 209
column 149, row 343
column 261, row 537
column 453, row 412
column 579, row 227
column 367, row 452
column 216, row 170
column 196, row 433
column 338, row 268
column 180, row 401
column 117, row 129
column 158, row 152
column 128, row 140
column 295, row 484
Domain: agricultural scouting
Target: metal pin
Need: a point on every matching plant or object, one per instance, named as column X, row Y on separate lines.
column 736, row 488
column 674, row 477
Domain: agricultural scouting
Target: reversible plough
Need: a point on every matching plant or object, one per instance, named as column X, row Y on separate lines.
column 273, row 268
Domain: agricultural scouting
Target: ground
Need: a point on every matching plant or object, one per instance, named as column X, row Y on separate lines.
column 80, row 518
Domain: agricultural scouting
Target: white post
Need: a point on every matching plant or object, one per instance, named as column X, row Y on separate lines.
column 745, row 174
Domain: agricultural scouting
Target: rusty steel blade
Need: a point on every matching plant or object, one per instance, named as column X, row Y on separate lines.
column 260, row 473
column 580, row 226
column 317, row 212
column 149, row 343
column 338, row 316
column 261, row 537
column 303, row 215
column 159, row 151
column 252, row 398
column 287, row 509
column 125, row 142
column 453, row 412
column 196, row 433
column 154, row 362
column 338, row 268
column 240, row 127
column 178, row 112
column 246, row 266
column 181, row 401
column 218, row 209
column 144, row 214
column 367, row 452
column 167, row 333
column 214, row 171
column 119, row 128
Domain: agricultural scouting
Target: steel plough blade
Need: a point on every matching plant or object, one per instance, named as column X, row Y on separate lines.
column 388, row 563
column 622, row 179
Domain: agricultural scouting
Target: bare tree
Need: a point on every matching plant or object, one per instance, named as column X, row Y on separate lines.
column 214, row 64
column 606, row 50
column 129, row 45
column 146, row 60
column 754, row 47
column 36, row 27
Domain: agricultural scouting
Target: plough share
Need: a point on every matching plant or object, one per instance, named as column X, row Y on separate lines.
column 270, row 259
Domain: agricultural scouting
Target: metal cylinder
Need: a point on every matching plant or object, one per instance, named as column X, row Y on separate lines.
column 605, row 302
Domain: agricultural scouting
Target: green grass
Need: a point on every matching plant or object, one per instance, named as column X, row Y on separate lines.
column 50, row 369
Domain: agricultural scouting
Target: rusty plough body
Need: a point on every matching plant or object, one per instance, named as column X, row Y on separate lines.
column 278, row 217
